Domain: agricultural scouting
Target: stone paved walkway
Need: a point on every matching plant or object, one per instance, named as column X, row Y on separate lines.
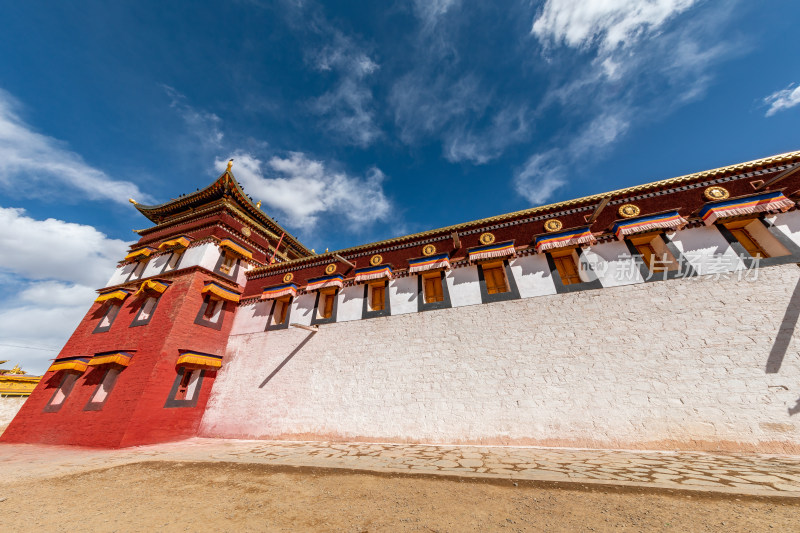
column 769, row 475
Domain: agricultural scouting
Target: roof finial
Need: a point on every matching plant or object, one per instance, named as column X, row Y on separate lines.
column 131, row 200
column 258, row 205
column 230, row 164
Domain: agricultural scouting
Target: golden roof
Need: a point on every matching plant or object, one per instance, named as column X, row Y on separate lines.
column 225, row 187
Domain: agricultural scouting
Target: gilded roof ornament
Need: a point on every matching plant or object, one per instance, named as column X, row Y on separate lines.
column 230, row 164
column 131, row 200
column 629, row 211
column 553, row 225
column 716, row 193
column 487, row 238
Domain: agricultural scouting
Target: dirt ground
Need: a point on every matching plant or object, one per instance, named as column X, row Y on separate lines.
column 172, row 497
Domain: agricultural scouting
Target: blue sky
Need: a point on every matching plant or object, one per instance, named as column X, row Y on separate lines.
column 356, row 121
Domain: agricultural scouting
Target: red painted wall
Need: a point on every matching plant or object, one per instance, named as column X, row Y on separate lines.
column 134, row 411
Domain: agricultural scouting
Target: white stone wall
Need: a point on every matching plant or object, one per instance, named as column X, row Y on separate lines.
column 8, row 409
column 669, row 364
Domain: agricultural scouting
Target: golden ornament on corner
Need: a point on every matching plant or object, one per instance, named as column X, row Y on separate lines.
column 716, row 193
column 375, row 260
column 246, row 231
column 330, row 269
column 428, row 249
column 288, row 277
column 553, row 225
column 629, row 211
column 487, row 238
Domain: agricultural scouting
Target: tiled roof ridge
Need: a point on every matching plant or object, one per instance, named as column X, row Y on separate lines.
column 774, row 160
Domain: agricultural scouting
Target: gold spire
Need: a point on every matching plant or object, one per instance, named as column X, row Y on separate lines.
column 230, row 164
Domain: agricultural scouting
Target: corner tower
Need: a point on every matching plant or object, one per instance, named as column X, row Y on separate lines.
column 140, row 366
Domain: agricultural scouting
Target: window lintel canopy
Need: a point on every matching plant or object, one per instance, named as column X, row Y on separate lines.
column 218, row 292
column 176, row 243
column 233, row 248
column 76, row 363
column 373, row 272
column 564, row 239
column 279, row 291
column 433, row 262
column 668, row 220
column 115, row 295
column 152, row 286
column 140, row 254
column 335, row 280
column 754, row 203
column 199, row 360
column 492, row 251
column 107, row 358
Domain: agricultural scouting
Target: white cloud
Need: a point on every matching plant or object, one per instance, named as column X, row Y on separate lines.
column 430, row 11
column 640, row 67
column 203, row 125
column 480, row 146
column 31, row 162
column 545, row 172
column 783, row 99
column 347, row 108
column 426, row 104
column 304, row 189
column 52, row 249
column 457, row 111
column 48, row 271
column 608, row 23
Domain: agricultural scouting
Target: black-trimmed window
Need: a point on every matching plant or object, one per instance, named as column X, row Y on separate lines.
column 211, row 313
column 228, row 263
column 327, row 301
column 753, row 240
column 279, row 313
column 377, row 296
column 432, row 291
column 112, row 310
column 575, row 269
column 137, row 271
column 325, row 306
column 174, row 260
column 656, row 258
column 497, row 284
column 63, row 391
column 566, row 266
column 185, row 389
column 104, row 387
column 376, row 299
column 146, row 311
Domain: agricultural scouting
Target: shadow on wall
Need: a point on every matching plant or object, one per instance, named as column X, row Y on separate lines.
column 263, row 308
column 796, row 409
column 785, row 332
column 535, row 266
column 288, row 358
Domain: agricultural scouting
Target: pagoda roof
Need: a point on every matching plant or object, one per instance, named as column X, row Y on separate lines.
column 226, row 189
